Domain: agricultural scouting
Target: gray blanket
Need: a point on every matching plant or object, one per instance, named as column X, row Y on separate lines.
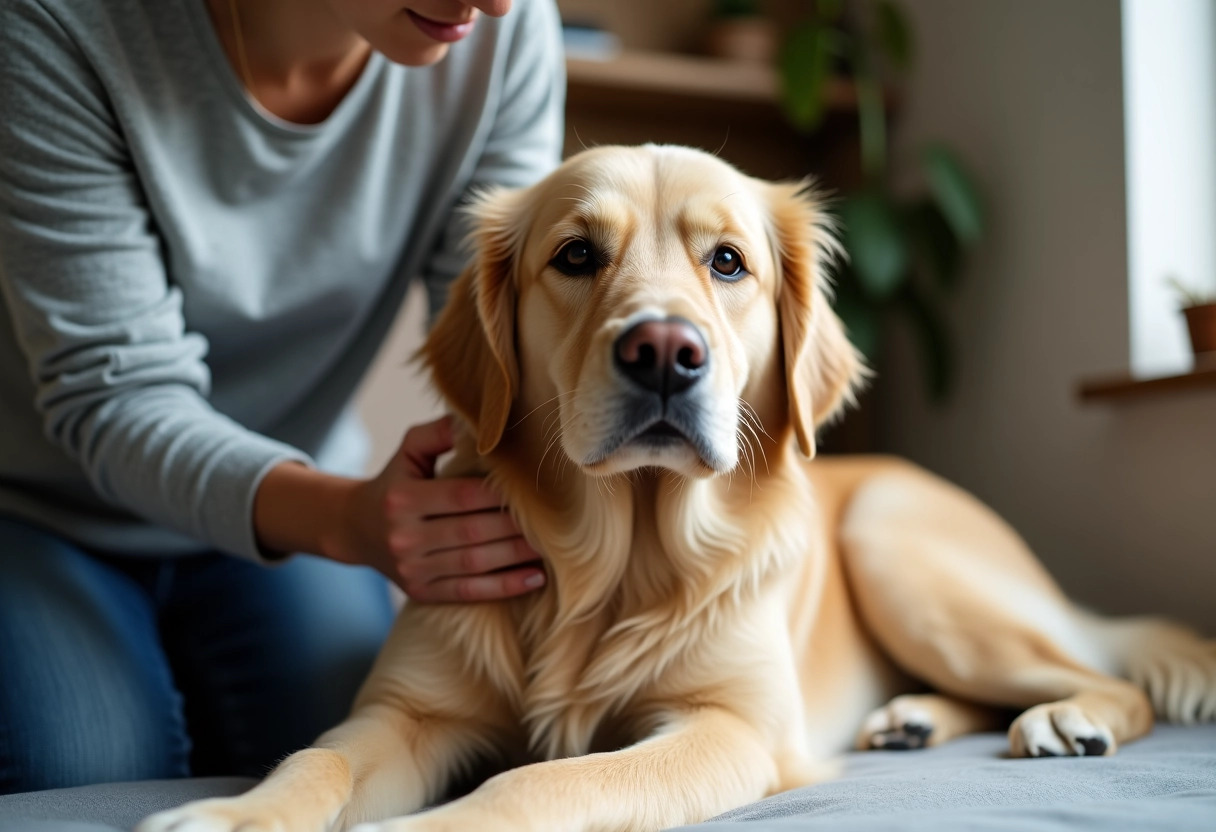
column 1166, row 782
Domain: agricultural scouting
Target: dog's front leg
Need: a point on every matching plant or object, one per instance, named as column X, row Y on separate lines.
column 379, row 763
column 702, row 762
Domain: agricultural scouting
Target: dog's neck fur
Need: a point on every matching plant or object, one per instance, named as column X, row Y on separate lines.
column 641, row 567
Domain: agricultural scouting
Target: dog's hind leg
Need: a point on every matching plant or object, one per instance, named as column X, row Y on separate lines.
column 956, row 598
column 924, row 720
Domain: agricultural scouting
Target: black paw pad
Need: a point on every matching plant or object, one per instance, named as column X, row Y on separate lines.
column 1045, row 752
column 907, row 737
column 1093, row 746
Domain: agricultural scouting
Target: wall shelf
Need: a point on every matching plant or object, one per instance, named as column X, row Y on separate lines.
column 727, row 107
column 689, row 76
column 1122, row 388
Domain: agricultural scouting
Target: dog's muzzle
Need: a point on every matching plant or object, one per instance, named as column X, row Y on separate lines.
column 662, row 404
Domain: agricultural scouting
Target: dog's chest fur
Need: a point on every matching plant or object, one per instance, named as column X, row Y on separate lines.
column 651, row 588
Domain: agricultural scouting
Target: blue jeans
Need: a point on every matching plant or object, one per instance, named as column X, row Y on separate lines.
column 131, row 669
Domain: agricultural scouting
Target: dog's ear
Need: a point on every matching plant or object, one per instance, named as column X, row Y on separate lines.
column 471, row 349
column 823, row 370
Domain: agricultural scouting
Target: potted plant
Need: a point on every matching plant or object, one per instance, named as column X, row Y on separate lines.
column 738, row 31
column 904, row 249
column 1200, row 312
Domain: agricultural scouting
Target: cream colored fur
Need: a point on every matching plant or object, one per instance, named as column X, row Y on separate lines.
column 717, row 626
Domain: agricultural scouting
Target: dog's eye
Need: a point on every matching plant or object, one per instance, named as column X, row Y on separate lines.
column 727, row 264
column 576, row 259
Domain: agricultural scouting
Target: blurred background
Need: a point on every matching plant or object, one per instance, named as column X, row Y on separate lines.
column 1029, row 197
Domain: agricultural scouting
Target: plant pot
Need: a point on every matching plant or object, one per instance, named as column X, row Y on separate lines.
column 1201, row 322
column 750, row 39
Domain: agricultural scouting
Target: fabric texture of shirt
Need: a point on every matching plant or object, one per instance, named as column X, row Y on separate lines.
column 192, row 288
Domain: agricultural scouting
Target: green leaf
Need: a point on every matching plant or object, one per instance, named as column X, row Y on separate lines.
column 937, row 355
column 874, row 238
column 862, row 319
column 893, row 34
column 934, row 243
column 955, row 193
column 872, row 121
column 805, row 65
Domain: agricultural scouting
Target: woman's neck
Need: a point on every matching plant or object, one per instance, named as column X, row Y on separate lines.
column 295, row 57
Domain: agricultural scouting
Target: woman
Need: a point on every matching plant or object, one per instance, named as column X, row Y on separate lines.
column 209, row 214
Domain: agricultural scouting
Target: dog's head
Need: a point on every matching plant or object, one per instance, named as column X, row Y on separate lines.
column 662, row 302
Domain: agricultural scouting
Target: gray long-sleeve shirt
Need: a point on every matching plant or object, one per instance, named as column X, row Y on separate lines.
column 192, row 288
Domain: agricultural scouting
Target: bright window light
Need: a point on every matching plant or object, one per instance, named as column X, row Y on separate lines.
column 1169, row 83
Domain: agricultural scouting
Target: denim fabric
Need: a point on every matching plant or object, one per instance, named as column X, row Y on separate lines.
column 132, row 669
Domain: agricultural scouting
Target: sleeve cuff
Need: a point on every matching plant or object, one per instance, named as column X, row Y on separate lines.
column 228, row 518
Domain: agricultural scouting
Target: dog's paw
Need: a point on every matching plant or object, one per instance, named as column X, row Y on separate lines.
column 1059, row 729
column 900, row 725
column 218, row 815
column 1179, row 678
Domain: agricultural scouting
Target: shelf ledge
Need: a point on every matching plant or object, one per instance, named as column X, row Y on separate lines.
column 1122, row 388
column 691, row 76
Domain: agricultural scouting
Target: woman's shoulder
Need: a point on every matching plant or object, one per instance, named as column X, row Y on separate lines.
column 67, row 16
column 52, row 27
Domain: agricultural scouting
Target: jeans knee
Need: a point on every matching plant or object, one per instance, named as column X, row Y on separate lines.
column 87, row 696
column 61, row 760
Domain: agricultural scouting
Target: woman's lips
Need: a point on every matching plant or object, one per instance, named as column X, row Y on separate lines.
column 442, row 32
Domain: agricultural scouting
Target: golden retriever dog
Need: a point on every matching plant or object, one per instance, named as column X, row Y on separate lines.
column 639, row 358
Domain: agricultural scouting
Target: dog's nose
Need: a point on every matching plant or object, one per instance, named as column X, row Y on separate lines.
column 665, row 357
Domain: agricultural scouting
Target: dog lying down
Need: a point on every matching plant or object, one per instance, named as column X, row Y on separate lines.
column 639, row 358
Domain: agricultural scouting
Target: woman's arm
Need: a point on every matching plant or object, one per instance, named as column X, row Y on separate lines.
column 122, row 387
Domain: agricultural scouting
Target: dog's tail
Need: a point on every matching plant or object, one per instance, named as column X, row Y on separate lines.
column 1173, row 665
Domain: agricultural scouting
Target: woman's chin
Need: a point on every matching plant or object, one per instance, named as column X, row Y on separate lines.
column 403, row 43
column 414, row 54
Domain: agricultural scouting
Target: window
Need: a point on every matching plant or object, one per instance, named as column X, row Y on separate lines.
column 1169, row 83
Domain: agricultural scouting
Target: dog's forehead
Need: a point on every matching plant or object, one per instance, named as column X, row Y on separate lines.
column 646, row 182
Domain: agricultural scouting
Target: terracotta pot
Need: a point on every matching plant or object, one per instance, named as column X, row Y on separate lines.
column 751, row 39
column 1201, row 321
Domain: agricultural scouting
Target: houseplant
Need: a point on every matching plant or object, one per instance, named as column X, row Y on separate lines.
column 738, row 30
column 1200, row 311
column 904, row 249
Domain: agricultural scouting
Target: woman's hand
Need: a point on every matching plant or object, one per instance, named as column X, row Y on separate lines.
column 438, row 539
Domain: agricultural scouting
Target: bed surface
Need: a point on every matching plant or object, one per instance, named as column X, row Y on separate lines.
column 1164, row 782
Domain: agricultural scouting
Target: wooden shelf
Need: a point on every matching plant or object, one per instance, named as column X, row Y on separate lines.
column 688, row 76
column 1121, row 388
column 729, row 108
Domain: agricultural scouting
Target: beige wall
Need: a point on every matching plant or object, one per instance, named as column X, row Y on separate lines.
column 396, row 393
column 1119, row 500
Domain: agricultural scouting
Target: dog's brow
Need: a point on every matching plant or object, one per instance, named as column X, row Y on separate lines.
column 708, row 219
column 602, row 215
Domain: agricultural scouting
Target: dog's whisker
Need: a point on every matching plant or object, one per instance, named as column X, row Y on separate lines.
column 749, row 456
column 581, row 143
column 751, row 420
column 755, row 418
column 722, row 146
column 552, row 441
column 556, row 398
column 757, row 446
